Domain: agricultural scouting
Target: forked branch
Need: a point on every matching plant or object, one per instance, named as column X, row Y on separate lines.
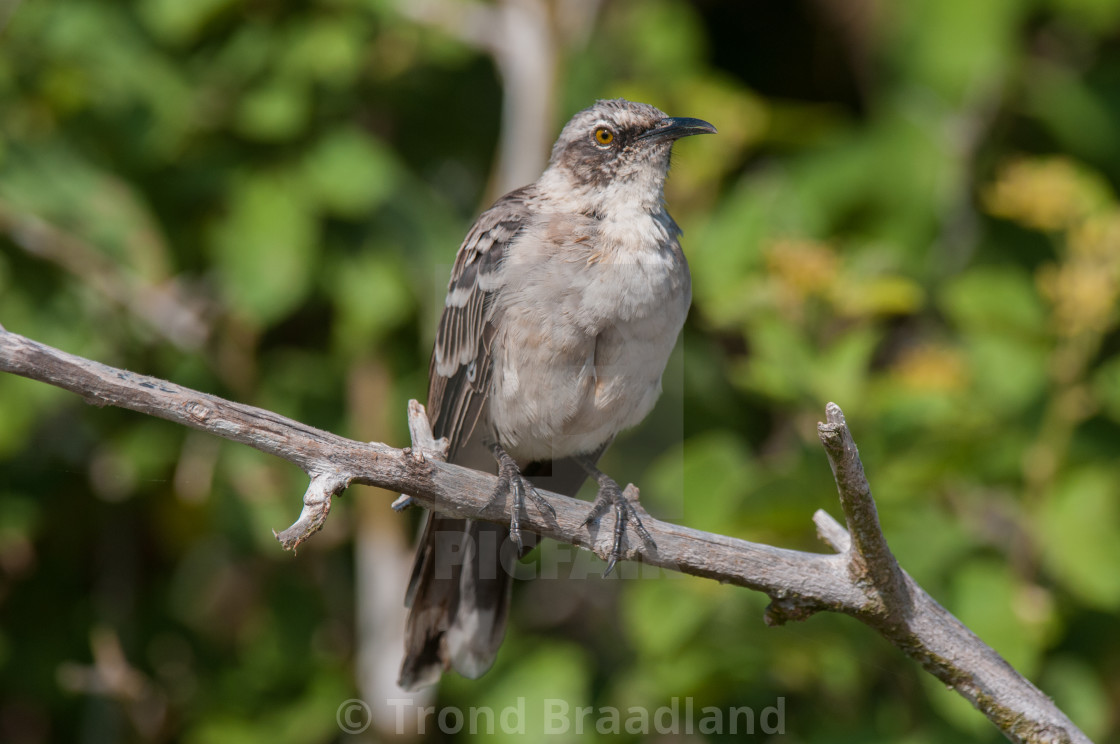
column 861, row 579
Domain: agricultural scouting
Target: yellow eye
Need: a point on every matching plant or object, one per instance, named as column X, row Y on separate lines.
column 604, row 136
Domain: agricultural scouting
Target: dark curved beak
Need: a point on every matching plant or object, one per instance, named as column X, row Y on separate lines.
column 676, row 127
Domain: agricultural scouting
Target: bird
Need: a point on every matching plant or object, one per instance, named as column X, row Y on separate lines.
column 565, row 301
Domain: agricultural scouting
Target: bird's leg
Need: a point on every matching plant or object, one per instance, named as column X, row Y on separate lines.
column 512, row 482
column 610, row 495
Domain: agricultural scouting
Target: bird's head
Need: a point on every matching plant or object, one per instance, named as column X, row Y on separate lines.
column 617, row 152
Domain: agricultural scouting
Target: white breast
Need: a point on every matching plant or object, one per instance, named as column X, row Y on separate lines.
column 588, row 316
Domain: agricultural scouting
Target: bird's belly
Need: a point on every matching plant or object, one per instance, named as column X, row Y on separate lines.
column 561, row 391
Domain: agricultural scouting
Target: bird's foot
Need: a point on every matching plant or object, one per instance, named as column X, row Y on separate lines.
column 512, row 482
column 610, row 495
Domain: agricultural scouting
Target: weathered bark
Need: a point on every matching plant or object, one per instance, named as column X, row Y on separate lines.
column 861, row 579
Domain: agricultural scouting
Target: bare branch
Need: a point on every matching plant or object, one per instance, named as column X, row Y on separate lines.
column 316, row 507
column 424, row 442
column 912, row 620
column 831, row 532
column 424, row 445
column 862, row 580
column 871, row 559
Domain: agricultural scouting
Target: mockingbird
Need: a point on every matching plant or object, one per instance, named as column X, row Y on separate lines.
column 564, row 303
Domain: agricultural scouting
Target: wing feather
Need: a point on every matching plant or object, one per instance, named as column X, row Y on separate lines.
column 461, row 360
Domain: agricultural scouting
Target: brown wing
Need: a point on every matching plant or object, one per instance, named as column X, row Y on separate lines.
column 459, row 377
column 458, row 386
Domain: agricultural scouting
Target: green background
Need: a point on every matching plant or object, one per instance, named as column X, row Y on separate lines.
column 910, row 209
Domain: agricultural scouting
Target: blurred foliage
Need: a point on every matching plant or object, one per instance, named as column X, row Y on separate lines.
column 911, row 209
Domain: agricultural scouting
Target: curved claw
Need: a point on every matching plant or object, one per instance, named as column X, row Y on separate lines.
column 610, row 495
column 510, row 481
column 619, row 531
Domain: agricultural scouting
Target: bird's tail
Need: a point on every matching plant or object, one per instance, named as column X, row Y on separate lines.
column 458, row 597
column 458, row 600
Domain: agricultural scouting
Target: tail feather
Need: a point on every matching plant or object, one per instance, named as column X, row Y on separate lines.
column 459, row 594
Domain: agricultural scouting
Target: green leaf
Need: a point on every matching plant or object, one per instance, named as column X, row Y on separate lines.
column 1080, row 692
column 57, row 184
column 982, row 48
column 543, row 675
column 703, row 483
column 1008, row 374
column 1001, row 320
column 782, row 361
column 308, row 717
column 1077, row 115
column 22, row 517
column 180, row 22
column 1099, row 16
column 985, row 595
column 995, row 298
column 925, row 540
column 265, row 247
column 1106, row 387
column 663, row 39
column 956, row 710
column 660, row 620
column 1077, row 528
column 328, row 49
column 840, row 372
column 371, row 296
column 275, row 112
column 349, row 173
column 23, row 405
column 725, row 254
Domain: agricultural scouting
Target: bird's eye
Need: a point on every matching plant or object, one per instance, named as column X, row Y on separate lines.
column 604, row 136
